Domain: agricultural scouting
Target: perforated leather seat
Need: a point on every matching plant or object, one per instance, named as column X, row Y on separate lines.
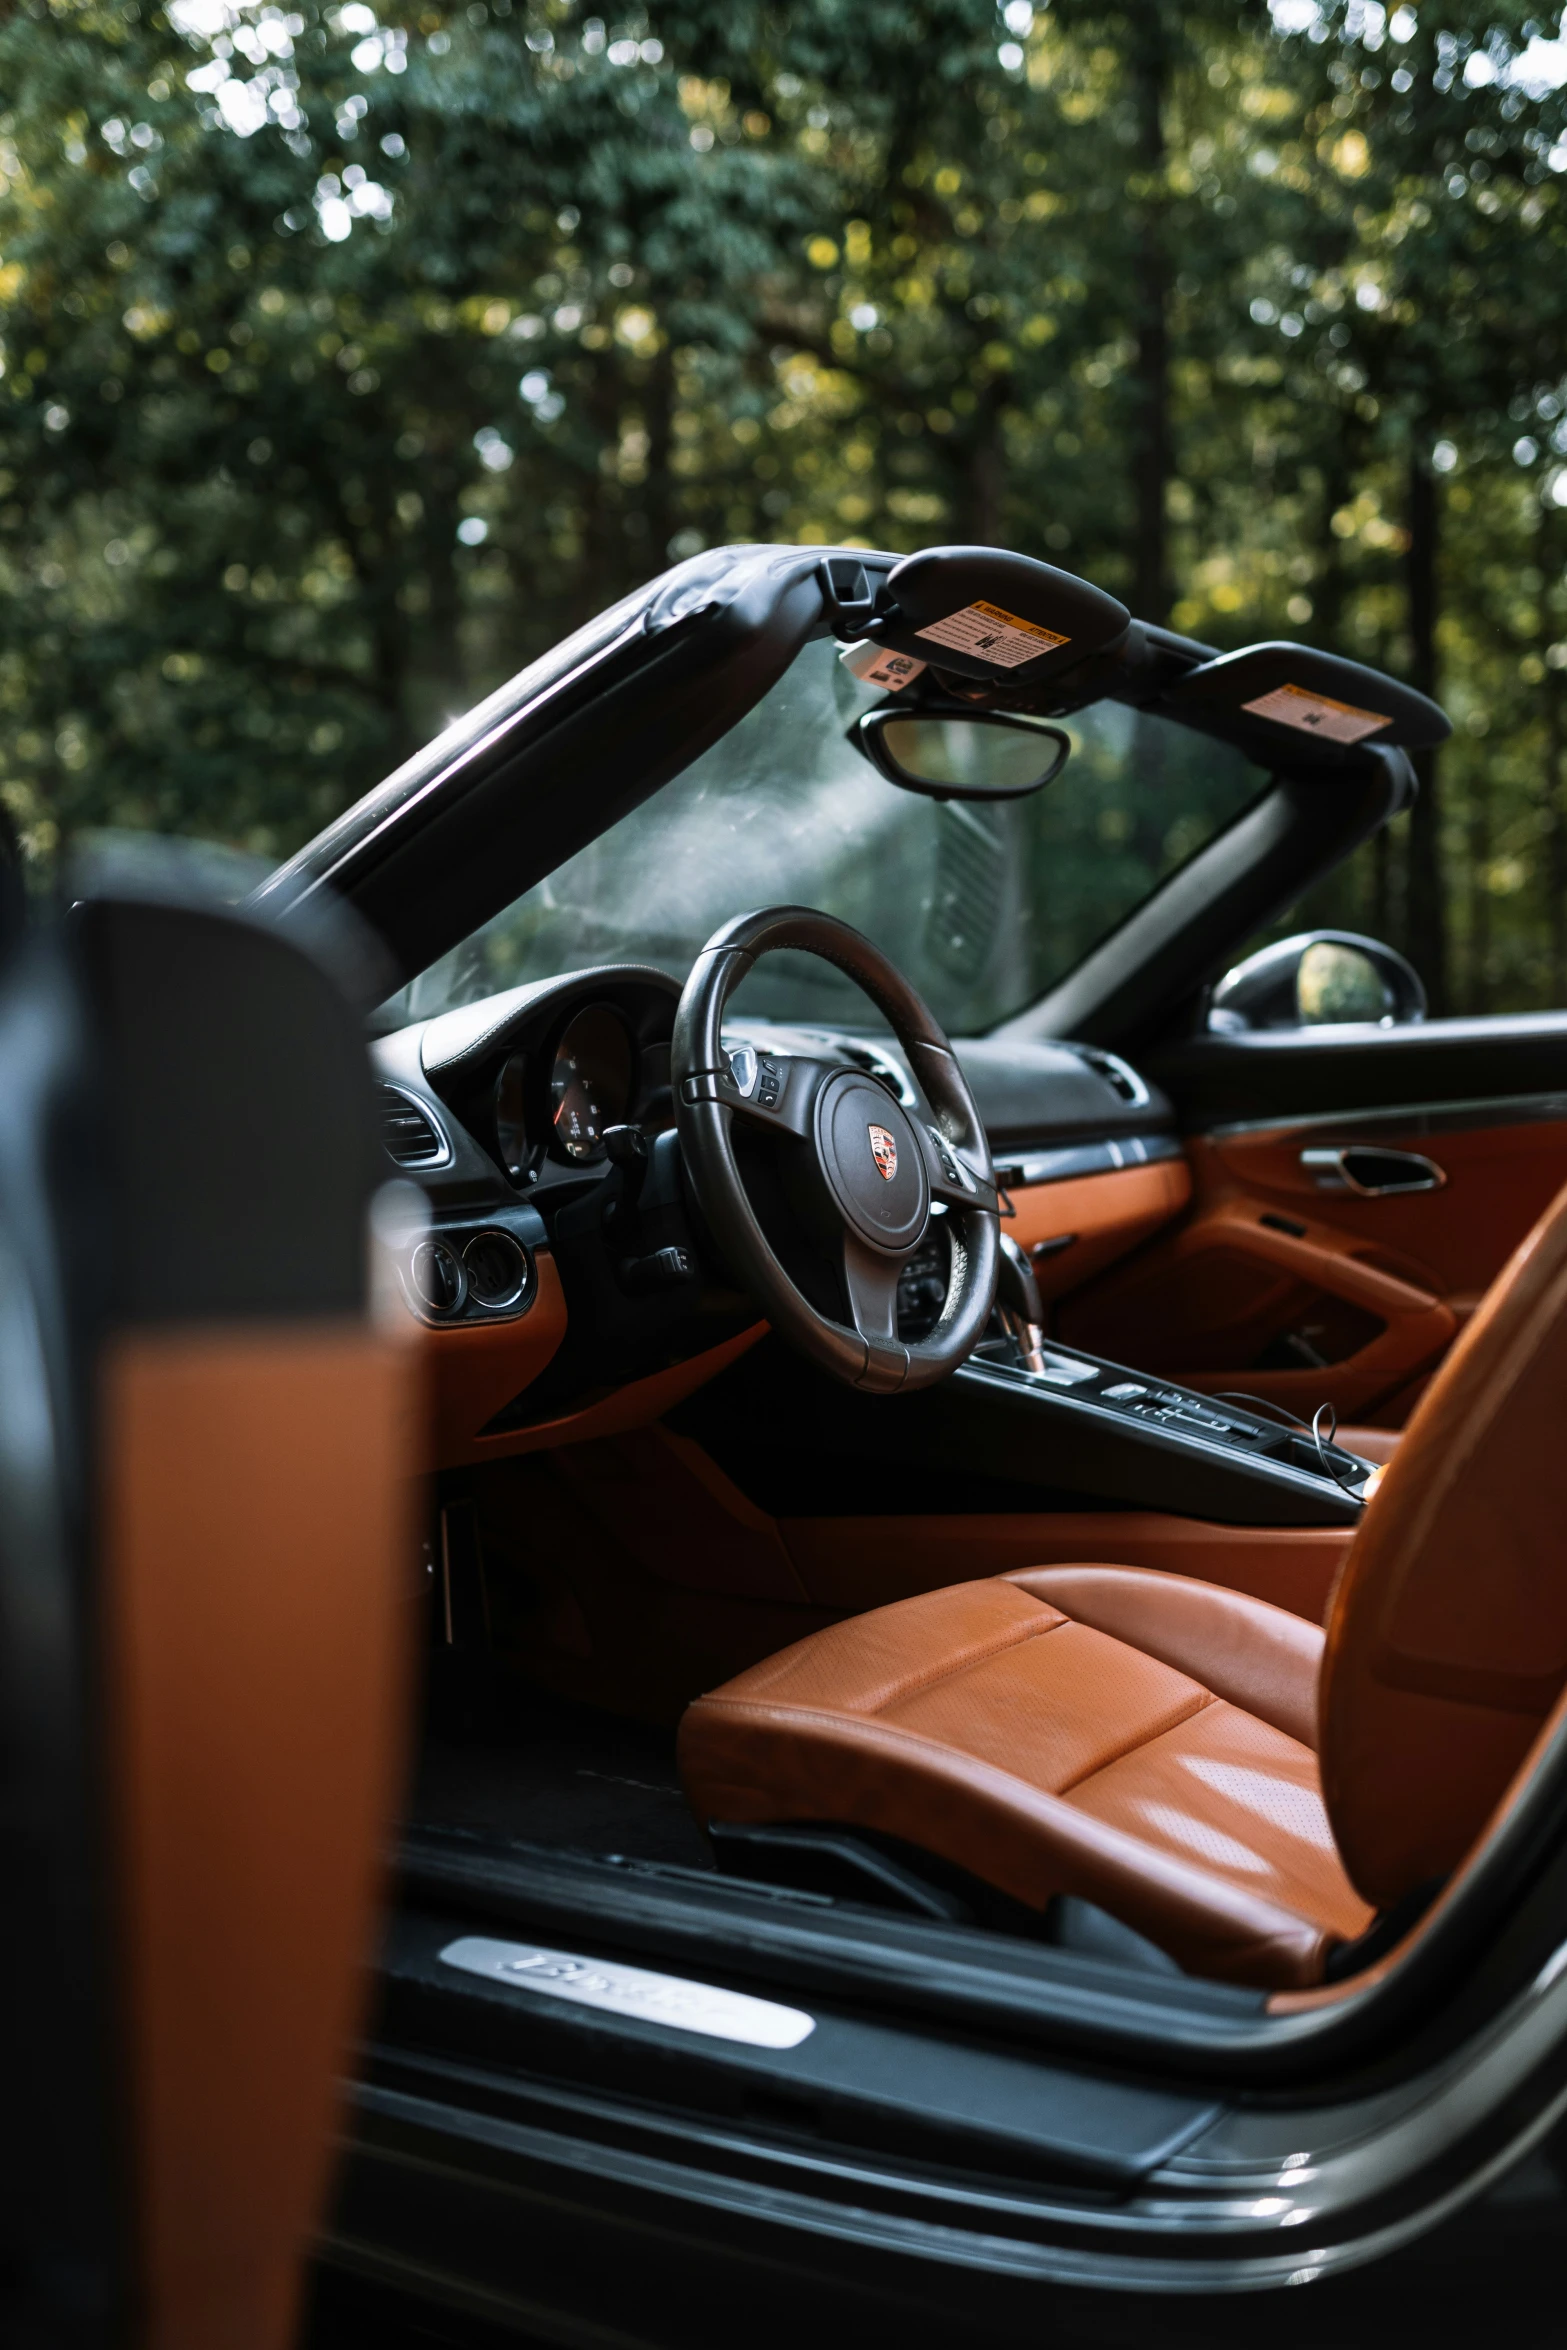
column 1243, row 1789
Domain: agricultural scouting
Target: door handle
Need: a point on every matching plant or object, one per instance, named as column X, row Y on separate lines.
column 1371, row 1172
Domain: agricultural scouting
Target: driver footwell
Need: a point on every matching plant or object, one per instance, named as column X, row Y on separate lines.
column 520, row 1766
column 542, row 1769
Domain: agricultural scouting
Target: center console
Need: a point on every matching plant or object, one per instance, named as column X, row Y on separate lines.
column 1093, row 1420
column 1063, row 1432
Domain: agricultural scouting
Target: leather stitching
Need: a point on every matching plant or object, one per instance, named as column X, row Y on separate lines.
column 931, row 1676
column 1199, row 1704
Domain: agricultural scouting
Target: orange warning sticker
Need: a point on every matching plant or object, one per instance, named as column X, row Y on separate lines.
column 993, row 635
column 1337, row 722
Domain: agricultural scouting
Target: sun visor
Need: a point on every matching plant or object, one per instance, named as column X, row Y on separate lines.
column 1283, row 703
column 980, row 612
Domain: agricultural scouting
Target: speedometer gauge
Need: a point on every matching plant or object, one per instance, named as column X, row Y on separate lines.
column 590, row 1083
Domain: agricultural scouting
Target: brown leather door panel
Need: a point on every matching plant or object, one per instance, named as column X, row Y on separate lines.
column 1090, row 1221
column 1303, row 1295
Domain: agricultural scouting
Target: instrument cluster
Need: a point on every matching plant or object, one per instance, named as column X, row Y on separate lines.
column 551, row 1102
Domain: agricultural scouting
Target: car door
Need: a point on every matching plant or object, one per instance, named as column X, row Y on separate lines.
column 205, row 1561
column 1356, row 1188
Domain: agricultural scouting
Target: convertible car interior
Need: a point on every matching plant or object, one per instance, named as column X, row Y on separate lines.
column 935, row 1471
column 987, row 1445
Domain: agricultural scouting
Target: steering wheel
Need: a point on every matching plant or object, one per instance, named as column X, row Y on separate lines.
column 861, row 1172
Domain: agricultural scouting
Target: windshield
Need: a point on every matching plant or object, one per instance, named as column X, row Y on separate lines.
column 981, row 905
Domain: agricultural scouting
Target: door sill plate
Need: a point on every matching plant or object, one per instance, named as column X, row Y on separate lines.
column 672, row 2000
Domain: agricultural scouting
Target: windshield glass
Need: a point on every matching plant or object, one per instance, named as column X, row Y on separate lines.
column 981, row 905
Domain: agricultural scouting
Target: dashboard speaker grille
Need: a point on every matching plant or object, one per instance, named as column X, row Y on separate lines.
column 410, row 1137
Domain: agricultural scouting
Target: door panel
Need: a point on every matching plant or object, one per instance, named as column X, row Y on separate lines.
column 1304, row 1295
column 1500, row 1178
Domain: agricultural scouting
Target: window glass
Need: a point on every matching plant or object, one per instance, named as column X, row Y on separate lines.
column 982, row 905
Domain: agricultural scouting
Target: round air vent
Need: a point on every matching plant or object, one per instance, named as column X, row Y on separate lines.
column 497, row 1268
column 438, row 1279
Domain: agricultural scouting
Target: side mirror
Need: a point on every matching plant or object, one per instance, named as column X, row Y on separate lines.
column 980, row 755
column 1319, row 978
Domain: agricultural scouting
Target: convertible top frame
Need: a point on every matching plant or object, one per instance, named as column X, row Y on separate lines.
column 577, row 740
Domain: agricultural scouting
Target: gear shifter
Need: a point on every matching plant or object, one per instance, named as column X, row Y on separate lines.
column 1019, row 1303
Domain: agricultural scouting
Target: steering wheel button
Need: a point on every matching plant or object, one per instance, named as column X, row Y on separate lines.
column 742, row 1066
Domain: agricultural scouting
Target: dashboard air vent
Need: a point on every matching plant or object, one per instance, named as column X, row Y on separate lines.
column 410, row 1136
column 1121, row 1078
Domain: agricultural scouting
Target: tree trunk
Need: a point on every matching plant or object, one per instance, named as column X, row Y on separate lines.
column 1425, row 909
column 658, row 422
column 1478, row 843
column 984, row 478
column 1151, row 372
column 1556, row 833
column 1553, row 791
column 437, row 687
column 604, row 570
column 1330, row 587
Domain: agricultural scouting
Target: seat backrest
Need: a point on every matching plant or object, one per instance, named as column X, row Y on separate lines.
column 1447, row 1635
column 203, row 1588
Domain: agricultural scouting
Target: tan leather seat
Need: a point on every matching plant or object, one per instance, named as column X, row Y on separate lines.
column 1243, row 1789
column 1371, row 1444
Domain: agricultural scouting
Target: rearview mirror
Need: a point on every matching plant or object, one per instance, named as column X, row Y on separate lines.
column 983, row 755
column 1317, row 979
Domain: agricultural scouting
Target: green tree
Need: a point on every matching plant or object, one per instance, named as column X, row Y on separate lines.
column 1425, row 299
column 353, row 352
column 340, row 380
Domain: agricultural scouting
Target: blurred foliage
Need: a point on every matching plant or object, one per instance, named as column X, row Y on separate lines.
column 352, row 354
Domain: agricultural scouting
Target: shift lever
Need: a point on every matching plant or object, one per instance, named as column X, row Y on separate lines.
column 1021, row 1306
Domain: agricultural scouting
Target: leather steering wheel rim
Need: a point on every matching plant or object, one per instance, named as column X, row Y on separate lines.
column 820, row 1109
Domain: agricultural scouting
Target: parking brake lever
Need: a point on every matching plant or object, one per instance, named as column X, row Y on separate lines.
column 1019, row 1302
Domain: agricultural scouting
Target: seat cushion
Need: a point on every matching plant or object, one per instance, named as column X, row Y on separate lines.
column 1141, row 1740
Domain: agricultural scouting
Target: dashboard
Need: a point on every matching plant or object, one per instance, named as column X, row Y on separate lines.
column 505, row 1110
column 538, row 1077
column 550, row 1247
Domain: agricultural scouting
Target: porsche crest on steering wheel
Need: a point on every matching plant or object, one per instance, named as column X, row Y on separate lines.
column 884, row 1151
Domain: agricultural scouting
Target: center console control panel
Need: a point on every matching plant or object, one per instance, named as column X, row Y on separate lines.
column 1188, row 1413
column 1177, row 1448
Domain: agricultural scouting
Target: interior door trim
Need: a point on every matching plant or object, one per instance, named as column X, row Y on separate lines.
column 1449, row 1117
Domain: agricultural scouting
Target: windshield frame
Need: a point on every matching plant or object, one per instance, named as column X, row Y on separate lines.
column 558, row 754
column 982, row 906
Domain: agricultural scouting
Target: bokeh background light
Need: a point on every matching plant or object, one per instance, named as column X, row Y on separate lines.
column 353, row 353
